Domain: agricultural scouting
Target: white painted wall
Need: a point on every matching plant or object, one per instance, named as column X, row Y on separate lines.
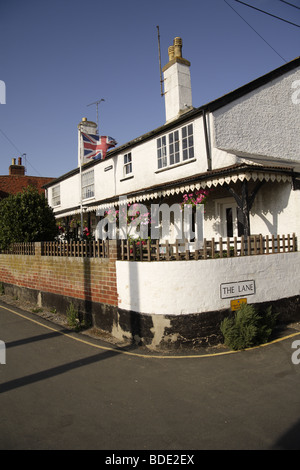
column 263, row 123
column 276, row 210
column 185, row 287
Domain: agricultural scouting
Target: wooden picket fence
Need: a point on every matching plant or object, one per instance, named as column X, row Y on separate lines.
column 76, row 249
column 209, row 249
column 20, row 249
column 154, row 250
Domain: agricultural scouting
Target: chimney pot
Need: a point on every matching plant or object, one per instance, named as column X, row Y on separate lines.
column 177, row 47
column 19, row 161
column 171, row 52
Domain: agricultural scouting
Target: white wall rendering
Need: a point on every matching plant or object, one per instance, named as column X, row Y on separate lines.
column 186, row 287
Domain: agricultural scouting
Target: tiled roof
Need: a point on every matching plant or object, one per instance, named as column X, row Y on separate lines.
column 12, row 184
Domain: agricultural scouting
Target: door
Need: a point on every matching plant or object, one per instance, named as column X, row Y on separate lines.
column 231, row 218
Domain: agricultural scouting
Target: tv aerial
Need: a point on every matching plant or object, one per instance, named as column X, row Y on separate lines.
column 97, row 104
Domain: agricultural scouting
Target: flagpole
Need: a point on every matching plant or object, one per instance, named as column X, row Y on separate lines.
column 80, row 179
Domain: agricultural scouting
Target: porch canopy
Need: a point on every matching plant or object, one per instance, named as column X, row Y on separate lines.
column 242, row 172
column 223, row 176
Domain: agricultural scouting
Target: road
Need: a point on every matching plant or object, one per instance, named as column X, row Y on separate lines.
column 61, row 390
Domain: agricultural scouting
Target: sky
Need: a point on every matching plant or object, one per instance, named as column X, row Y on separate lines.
column 59, row 56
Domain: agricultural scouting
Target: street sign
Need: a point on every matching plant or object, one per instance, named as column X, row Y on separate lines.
column 237, row 289
column 236, row 303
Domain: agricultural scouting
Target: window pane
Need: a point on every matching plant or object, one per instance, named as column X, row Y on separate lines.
column 88, row 184
column 174, row 147
column 187, row 142
column 56, row 196
column 161, row 152
column 127, row 169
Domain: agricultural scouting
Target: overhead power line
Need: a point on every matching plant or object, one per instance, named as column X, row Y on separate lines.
column 19, row 151
column 255, row 31
column 270, row 14
column 291, row 4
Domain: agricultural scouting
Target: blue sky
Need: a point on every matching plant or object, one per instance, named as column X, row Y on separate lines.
column 59, row 56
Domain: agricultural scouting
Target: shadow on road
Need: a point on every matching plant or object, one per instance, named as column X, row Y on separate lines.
column 290, row 440
column 34, row 339
column 54, row 371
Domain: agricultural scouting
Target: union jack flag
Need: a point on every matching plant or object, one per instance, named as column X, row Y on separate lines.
column 95, row 147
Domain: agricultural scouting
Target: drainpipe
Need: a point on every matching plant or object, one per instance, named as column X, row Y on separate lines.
column 207, row 144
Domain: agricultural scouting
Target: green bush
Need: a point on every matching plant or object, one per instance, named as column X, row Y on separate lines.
column 26, row 217
column 247, row 328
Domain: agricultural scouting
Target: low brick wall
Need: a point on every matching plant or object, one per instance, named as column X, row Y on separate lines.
column 87, row 279
column 147, row 302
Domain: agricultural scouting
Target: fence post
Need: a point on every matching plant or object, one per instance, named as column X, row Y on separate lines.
column 38, row 248
column 113, row 249
column 294, row 243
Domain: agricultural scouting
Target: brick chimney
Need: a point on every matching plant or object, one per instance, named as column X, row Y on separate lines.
column 16, row 169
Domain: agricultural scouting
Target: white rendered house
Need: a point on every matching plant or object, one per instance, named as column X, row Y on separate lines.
column 244, row 147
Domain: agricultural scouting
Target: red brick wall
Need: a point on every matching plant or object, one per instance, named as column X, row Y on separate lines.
column 92, row 279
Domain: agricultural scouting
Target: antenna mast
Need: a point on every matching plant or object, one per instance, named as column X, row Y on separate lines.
column 159, row 58
column 97, row 104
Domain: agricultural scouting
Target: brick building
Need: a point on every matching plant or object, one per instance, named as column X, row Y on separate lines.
column 16, row 180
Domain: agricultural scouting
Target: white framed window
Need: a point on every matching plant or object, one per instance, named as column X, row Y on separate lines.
column 88, row 184
column 127, row 169
column 162, row 152
column 187, row 142
column 176, row 147
column 56, row 196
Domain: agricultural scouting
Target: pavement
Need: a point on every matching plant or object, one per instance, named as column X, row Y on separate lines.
column 61, row 390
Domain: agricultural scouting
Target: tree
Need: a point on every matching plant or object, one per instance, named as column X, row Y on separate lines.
column 26, row 217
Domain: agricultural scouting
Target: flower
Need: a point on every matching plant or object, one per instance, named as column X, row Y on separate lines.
column 197, row 197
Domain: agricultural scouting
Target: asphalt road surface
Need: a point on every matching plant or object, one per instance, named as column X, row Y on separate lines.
column 61, row 390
